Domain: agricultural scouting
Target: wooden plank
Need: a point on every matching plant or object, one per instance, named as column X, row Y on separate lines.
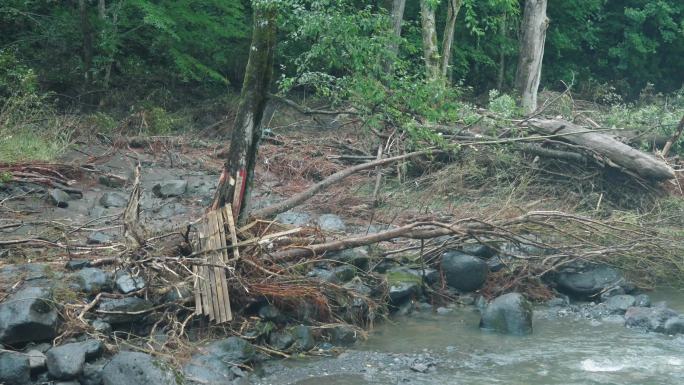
column 206, row 286
column 217, row 272
column 228, row 215
column 198, row 290
column 210, row 276
column 222, row 257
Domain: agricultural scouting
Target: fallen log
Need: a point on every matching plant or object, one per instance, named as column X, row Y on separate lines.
column 620, row 154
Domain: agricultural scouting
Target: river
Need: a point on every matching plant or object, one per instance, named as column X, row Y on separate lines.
column 562, row 350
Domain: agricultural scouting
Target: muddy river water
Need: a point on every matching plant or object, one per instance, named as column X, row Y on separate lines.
column 432, row 349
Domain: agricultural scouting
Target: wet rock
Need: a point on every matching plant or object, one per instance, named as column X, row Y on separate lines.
column 620, row 303
column 344, row 273
column 66, row 361
column 269, row 312
column 93, row 280
column 343, row 335
column 77, row 264
column 101, row 326
column 613, row 291
column 28, row 315
column 14, row 368
column 112, row 181
column 92, row 374
column 281, row 340
column 322, row 274
column 214, row 363
column 510, row 313
column 112, row 199
column 588, row 280
column 430, row 275
column 293, row 218
column 649, row 318
column 479, row 250
column 304, row 339
column 98, row 238
column 498, row 263
column 172, row 188
column 464, row 272
column 37, row 360
column 331, row 222
column 558, row 302
column 357, row 257
column 481, row 302
column 59, row 198
column 400, row 292
column 128, row 368
column 29, row 272
column 674, row 325
column 128, row 305
column 642, row 300
column 127, row 283
column 231, row 349
column 444, row 310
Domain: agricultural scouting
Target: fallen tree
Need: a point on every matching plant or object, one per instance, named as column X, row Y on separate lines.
column 613, row 151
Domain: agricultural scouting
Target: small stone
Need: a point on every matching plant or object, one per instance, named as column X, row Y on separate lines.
column 101, row 326
column 331, row 222
column 112, row 199
column 36, row 360
column 269, row 312
column 620, row 303
column 77, row 264
column 93, row 280
column 444, row 310
column 112, row 181
column 14, row 368
column 127, row 283
column 172, row 188
column 98, row 238
column 59, row 198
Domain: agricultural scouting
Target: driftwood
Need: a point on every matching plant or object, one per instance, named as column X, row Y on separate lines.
column 616, row 152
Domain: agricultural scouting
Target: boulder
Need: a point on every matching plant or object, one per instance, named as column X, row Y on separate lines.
column 14, row 368
column 28, row 315
column 510, row 313
column 98, row 238
column 642, row 300
column 172, row 188
column 112, row 199
column 464, row 272
column 93, row 280
column 214, row 364
column 77, row 264
column 101, row 326
column 66, row 362
column 588, row 281
column 479, row 250
column 357, row 257
column 129, row 304
column 402, row 285
column 343, row 335
column 127, row 283
column 649, row 318
column 281, row 340
column 343, row 273
column 92, row 374
column 304, row 338
column 674, row 325
column 619, row 304
column 59, row 198
column 269, row 312
column 331, row 222
column 128, row 368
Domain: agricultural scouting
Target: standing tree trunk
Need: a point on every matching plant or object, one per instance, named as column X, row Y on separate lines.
column 528, row 74
column 238, row 170
column 430, row 50
column 454, row 6
column 397, row 17
column 502, row 55
column 87, row 54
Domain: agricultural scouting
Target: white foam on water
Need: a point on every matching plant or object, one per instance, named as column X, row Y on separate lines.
column 590, row 365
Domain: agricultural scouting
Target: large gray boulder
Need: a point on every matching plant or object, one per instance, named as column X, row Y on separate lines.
column 66, row 361
column 113, row 199
column 510, row 313
column 215, row 363
column 28, row 315
column 129, row 368
column 618, row 304
column 14, row 368
column 93, row 280
column 464, row 272
column 649, row 318
column 588, row 281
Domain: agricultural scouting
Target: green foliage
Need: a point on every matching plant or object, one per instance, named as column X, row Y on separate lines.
column 502, row 104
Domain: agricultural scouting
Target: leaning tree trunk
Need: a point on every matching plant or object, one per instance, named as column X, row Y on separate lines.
column 430, row 50
column 238, row 170
column 527, row 77
column 454, row 7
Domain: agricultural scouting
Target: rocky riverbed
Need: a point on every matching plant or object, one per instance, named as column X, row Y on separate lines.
column 118, row 341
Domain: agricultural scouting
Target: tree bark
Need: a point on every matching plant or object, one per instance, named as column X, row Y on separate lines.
column 528, row 74
column 87, row 53
column 454, row 6
column 618, row 153
column 430, row 50
column 502, row 55
column 238, row 169
column 397, row 14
